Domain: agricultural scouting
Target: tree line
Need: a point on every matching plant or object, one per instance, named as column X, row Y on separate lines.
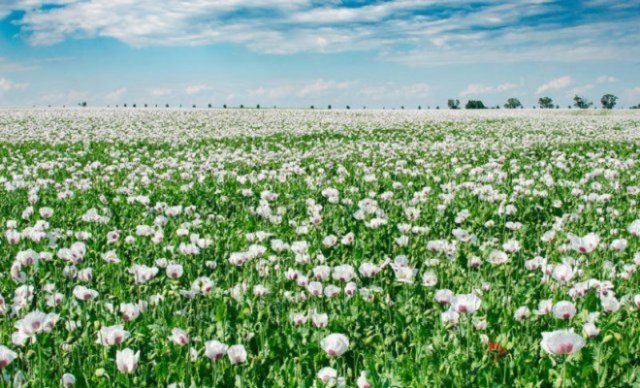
column 607, row 101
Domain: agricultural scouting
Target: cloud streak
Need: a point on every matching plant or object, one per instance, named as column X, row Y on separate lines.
column 416, row 32
column 555, row 84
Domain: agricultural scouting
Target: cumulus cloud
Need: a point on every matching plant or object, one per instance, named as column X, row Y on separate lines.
column 320, row 86
column 160, row 92
column 633, row 93
column 415, row 32
column 507, row 86
column 7, row 85
column 196, row 89
column 555, row 84
column 475, row 89
column 115, row 95
column 606, row 79
column 478, row 89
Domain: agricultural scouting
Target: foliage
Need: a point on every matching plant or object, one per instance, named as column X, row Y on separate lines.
column 277, row 247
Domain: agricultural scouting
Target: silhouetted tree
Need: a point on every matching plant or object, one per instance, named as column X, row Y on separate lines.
column 608, row 101
column 209, row 106
column 258, row 106
column 224, row 106
column 513, row 103
column 83, row 104
column 475, row 104
column 329, row 107
column 453, row 104
column 581, row 102
column 545, row 103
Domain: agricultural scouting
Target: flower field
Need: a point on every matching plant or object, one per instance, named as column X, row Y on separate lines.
column 148, row 247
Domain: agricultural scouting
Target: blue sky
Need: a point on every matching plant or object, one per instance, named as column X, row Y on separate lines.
column 303, row 52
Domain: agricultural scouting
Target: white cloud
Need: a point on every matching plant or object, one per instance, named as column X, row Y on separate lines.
column 633, row 93
column 321, row 86
column 160, row 92
column 580, row 89
column 607, row 79
column 7, row 85
column 196, row 89
column 116, row 94
column 507, row 86
column 476, row 89
column 393, row 28
column 555, row 84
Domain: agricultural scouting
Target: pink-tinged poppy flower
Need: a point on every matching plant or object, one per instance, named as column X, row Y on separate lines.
column 174, row 271
column 237, row 354
column 127, row 360
column 465, row 303
column 112, row 335
column 564, row 310
column 335, row 345
column 215, row 350
column 362, row 381
column 586, row 244
column 179, row 337
column 6, row 356
column 68, row 380
column 561, row 342
column 327, row 375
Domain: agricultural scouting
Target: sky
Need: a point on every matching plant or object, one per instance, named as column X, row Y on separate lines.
column 299, row 53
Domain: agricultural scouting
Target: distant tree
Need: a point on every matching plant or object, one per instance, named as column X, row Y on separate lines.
column 581, row 102
column 125, row 105
column 194, row 106
column 402, row 107
column 348, row 107
column 83, row 104
column 557, row 106
column 437, row 106
column 419, row 107
column 513, row 103
column 145, row 105
column 224, row 106
column 453, row 104
column 241, row 106
column 156, row 105
column 608, row 101
column 258, row 106
column 134, row 105
column 545, row 103
column 475, row 104
column 166, row 105
column 209, row 106
column 497, row 106
column 329, row 107
column 312, row 107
